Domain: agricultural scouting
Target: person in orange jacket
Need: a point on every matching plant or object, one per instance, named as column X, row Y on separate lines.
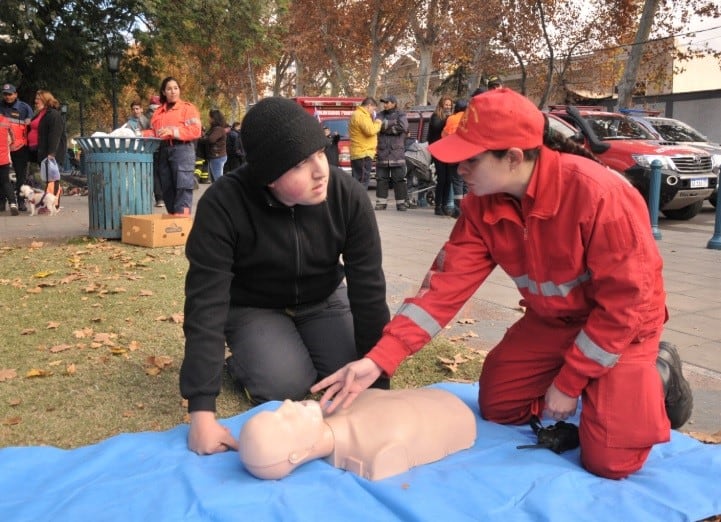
column 575, row 238
column 459, row 186
column 177, row 123
column 6, row 142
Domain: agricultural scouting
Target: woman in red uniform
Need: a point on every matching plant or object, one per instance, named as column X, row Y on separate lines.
column 575, row 238
column 177, row 123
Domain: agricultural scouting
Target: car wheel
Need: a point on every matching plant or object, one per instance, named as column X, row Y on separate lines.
column 685, row 213
column 713, row 199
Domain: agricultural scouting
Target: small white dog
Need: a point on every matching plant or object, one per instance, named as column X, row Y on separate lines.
column 39, row 199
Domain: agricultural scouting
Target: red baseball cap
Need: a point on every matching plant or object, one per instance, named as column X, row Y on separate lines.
column 499, row 119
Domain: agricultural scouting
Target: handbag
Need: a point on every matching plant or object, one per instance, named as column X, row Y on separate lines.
column 49, row 170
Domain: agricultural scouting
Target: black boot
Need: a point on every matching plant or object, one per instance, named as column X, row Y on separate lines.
column 21, row 204
column 439, row 211
column 678, row 396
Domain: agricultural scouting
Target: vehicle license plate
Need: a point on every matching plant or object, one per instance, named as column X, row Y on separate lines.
column 699, row 183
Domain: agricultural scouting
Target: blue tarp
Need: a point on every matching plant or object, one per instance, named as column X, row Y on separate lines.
column 153, row 476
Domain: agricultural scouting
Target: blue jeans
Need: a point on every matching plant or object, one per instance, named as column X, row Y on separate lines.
column 215, row 166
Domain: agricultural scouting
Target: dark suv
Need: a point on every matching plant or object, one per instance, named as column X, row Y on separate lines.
column 687, row 175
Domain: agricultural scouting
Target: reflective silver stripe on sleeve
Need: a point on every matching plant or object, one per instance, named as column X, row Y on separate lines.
column 549, row 288
column 595, row 352
column 422, row 318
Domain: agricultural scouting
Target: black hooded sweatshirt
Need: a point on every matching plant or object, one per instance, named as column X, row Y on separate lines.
column 248, row 249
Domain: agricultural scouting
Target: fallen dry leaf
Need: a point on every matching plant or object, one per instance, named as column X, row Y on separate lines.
column 70, row 369
column 52, row 325
column 152, row 370
column 15, row 402
column 7, row 373
column 133, row 345
column 12, row 421
column 713, row 438
column 104, row 337
column 146, row 293
column 60, row 348
column 28, row 331
column 161, row 361
column 34, row 372
column 82, row 334
column 36, row 244
column 34, row 290
column 42, row 274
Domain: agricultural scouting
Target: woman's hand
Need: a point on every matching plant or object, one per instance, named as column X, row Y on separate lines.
column 345, row 384
column 558, row 405
column 207, row 435
column 164, row 132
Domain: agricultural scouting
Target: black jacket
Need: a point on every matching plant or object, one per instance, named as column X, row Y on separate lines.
column 248, row 249
column 392, row 138
column 51, row 136
column 435, row 128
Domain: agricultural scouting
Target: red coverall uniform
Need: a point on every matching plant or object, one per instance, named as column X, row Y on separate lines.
column 176, row 161
column 580, row 250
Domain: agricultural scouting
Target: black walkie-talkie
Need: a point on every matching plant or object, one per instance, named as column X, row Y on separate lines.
column 560, row 437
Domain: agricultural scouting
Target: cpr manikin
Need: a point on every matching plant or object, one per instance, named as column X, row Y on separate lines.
column 382, row 433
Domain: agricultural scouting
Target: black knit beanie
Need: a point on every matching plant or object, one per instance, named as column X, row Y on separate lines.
column 277, row 134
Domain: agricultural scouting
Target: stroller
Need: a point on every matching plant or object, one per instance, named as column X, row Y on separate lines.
column 420, row 173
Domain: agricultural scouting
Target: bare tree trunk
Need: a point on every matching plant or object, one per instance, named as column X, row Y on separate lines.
column 474, row 75
column 251, row 80
column 551, row 58
column 628, row 82
column 424, row 73
column 373, row 75
column 299, row 77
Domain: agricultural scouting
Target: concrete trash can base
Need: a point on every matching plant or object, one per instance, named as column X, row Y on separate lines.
column 120, row 181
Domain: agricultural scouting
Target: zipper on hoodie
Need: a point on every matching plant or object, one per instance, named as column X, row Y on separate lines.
column 297, row 255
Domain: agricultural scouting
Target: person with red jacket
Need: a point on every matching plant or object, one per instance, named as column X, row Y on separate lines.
column 19, row 114
column 6, row 142
column 575, row 238
column 177, row 123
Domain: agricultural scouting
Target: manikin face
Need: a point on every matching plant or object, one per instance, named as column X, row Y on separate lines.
column 172, row 91
column 304, row 184
column 273, row 443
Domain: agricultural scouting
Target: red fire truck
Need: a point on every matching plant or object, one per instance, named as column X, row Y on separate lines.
column 333, row 112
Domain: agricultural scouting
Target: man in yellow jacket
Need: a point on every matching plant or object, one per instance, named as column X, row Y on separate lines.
column 363, row 130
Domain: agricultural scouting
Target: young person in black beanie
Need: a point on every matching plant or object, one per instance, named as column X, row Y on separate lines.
column 272, row 248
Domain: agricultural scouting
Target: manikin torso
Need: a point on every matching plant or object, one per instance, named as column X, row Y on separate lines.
column 385, row 433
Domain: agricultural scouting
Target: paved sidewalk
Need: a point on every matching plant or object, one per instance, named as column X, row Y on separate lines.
column 412, row 239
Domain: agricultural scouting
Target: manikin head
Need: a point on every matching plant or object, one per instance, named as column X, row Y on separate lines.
column 274, row 443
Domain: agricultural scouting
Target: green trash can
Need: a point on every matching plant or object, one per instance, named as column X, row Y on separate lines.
column 120, row 180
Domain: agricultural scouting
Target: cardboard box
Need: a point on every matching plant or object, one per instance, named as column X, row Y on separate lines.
column 156, row 230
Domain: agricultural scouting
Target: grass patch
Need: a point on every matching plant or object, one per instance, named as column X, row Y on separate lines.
column 92, row 344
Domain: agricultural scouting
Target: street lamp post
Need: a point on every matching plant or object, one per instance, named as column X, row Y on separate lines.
column 113, row 68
